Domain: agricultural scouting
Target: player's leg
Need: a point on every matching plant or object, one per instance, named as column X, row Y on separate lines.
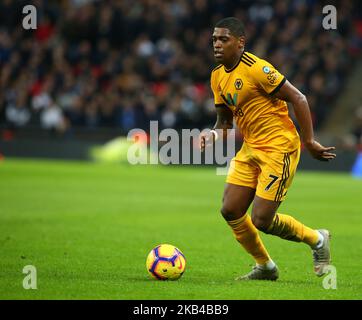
column 267, row 200
column 238, row 194
column 265, row 218
column 236, row 202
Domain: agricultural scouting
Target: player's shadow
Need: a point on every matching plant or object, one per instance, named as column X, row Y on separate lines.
column 141, row 279
column 308, row 281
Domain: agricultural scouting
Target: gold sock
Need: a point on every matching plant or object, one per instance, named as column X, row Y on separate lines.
column 248, row 236
column 286, row 227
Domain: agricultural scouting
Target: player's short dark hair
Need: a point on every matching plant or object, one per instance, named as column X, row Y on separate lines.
column 235, row 26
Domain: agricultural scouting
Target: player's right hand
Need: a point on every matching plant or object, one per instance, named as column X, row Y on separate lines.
column 206, row 140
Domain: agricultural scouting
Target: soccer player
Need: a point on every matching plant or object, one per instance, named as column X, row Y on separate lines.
column 252, row 92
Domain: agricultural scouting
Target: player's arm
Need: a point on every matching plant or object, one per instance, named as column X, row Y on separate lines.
column 291, row 94
column 224, row 118
column 224, row 121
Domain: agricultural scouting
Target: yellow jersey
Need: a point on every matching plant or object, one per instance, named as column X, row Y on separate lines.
column 247, row 90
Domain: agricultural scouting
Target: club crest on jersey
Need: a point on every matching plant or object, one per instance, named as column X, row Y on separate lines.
column 238, row 84
column 266, row 69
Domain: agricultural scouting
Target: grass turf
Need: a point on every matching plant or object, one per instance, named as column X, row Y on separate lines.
column 88, row 228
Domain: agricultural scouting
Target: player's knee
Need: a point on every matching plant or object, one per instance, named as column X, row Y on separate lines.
column 228, row 213
column 260, row 223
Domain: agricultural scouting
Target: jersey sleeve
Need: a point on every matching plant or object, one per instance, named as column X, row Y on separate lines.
column 267, row 77
column 218, row 100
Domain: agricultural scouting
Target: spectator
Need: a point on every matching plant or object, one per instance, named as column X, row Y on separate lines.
column 123, row 63
column 17, row 113
column 357, row 129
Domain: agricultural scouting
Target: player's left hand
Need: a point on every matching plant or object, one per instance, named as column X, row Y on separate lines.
column 320, row 152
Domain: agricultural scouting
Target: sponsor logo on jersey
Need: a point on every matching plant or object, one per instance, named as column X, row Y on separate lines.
column 266, row 69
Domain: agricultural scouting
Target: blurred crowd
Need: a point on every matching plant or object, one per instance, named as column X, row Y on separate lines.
column 352, row 140
column 123, row 63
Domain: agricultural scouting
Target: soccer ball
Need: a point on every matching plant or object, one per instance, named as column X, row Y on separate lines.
column 166, row 262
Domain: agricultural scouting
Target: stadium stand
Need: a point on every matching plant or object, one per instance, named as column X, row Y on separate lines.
column 120, row 64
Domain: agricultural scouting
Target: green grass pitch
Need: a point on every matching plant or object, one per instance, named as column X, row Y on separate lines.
column 87, row 228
